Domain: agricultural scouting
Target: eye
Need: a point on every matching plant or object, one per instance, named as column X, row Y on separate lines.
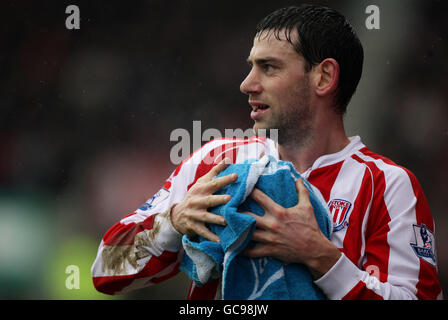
column 267, row 67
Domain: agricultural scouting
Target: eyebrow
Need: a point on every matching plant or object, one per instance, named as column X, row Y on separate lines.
column 263, row 60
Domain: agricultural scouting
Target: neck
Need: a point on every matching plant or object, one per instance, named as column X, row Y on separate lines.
column 327, row 136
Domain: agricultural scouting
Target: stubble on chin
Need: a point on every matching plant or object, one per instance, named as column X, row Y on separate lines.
column 296, row 130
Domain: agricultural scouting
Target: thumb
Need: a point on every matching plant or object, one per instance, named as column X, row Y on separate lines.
column 302, row 193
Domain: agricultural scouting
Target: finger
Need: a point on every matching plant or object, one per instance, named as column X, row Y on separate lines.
column 218, row 168
column 260, row 250
column 203, row 231
column 262, row 236
column 215, row 200
column 218, row 183
column 264, row 201
column 302, row 192
column 209, row 217
column 260, row 222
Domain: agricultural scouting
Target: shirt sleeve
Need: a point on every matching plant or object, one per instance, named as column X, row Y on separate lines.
column 399, row 258
column 143, row 248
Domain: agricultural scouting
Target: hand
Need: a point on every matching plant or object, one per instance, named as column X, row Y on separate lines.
column 292, row 235
column 190, row 216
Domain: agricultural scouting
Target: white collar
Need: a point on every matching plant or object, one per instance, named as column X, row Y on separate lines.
column 327, row 159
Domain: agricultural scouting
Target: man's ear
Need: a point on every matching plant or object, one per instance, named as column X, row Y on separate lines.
column 326, row 77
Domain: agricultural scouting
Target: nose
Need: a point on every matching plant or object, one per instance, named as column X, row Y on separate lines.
column 251, row 85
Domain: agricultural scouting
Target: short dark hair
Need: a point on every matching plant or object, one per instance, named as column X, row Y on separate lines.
column 323, row 33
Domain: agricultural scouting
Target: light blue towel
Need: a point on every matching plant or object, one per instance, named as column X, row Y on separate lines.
column 258, row 278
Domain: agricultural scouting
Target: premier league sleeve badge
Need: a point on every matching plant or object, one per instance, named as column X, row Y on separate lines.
column 424, row 244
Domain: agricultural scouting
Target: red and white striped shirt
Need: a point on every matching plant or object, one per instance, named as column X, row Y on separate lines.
column 382, row 225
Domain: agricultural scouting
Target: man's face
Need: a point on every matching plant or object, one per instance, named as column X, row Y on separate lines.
column 278, row 88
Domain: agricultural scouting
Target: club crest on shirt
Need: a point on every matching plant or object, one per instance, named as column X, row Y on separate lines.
column 424, row 244
column 339, row 210
column 155, row 199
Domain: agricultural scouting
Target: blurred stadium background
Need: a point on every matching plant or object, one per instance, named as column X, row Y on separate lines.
column 86, row 116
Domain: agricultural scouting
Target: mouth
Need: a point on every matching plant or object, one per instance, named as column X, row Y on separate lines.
column 258, row 110
column 259, row 107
